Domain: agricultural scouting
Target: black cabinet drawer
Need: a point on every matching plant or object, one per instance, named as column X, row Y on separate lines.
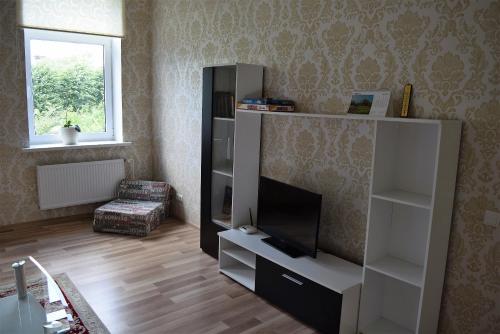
column 315, row 305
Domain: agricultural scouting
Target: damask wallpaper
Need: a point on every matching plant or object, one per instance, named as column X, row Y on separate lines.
column 316, row 52
column 18, row 192
column 331, row 157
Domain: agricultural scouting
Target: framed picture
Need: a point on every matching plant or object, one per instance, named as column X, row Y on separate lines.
column 373, row 103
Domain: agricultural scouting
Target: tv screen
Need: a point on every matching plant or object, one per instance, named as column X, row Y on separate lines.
column 290, row 215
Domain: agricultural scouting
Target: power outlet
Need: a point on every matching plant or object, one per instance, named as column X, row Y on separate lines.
column 179, row 197
column 492, row 218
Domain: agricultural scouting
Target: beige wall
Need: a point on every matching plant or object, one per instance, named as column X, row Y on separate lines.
column 329, row 156
column 18, row 193
column 316, row 52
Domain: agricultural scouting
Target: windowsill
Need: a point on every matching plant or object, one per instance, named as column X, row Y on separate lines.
column 82, row 145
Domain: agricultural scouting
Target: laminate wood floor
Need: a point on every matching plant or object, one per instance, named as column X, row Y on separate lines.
column 162, row 283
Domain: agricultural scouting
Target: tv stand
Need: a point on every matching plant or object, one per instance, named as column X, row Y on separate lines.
column 322, row 292
column 287, row 249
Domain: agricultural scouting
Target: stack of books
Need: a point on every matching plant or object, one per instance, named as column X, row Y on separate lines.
column 267, row 104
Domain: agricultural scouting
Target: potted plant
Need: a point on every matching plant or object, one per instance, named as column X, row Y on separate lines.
column 69, row 133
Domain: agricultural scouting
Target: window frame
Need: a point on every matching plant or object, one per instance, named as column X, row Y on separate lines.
column 112, row 83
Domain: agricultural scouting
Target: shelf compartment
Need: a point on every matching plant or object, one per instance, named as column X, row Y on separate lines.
column 398, row 269
column 405, row 160
column 242, row 255
column 241, row 274
column 221, row 201
column 223, row 146
column 397, row 231
column 222, row 220
column 405, row 197
column 384, row 326
column 388, row 303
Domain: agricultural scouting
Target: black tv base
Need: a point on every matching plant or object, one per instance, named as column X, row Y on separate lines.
column 285, row 248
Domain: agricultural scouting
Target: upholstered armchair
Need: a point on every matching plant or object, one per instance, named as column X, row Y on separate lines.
column 139, row 208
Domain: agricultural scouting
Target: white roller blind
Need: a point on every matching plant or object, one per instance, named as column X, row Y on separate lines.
column 98, row 17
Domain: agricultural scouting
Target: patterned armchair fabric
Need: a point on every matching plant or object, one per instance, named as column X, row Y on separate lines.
column 152, row 191
column 138, row 210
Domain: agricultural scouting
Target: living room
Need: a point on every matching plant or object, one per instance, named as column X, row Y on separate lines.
column 153, row 121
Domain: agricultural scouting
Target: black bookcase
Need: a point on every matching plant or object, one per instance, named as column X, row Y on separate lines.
column 222, row 87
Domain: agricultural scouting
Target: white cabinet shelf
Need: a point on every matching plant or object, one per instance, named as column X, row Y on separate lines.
column 224, row 119
column 398, row 269
column 241, row 274
column 226, row 170
column 241, row 255
column 405, row 197
column 388, row 304
column 222, row 220
column 413, row 181
column 384, row 326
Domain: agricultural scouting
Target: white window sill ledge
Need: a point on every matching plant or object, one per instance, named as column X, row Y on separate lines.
column 82, row 145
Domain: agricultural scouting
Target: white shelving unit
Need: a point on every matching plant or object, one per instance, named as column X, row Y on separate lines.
column 412, row 190
column 410, row 207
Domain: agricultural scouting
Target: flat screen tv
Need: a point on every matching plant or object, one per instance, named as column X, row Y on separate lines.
column 290, row 216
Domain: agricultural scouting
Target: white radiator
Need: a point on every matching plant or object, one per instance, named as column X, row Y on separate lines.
column 78, row 183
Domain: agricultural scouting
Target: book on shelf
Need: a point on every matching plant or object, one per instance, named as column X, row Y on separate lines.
column 264, row 101
column 265, row 107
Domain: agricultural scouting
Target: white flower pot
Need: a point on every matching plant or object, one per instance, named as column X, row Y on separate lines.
column 69, row 135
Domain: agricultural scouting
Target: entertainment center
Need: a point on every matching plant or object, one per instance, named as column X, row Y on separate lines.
column 399, row 287
column 323, row 292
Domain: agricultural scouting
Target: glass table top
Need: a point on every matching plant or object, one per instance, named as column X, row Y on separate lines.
column 42, row 309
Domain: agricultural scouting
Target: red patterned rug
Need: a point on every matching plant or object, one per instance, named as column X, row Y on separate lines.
column 85, row 321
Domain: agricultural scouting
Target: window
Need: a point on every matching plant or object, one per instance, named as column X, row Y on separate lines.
column 72, row 77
